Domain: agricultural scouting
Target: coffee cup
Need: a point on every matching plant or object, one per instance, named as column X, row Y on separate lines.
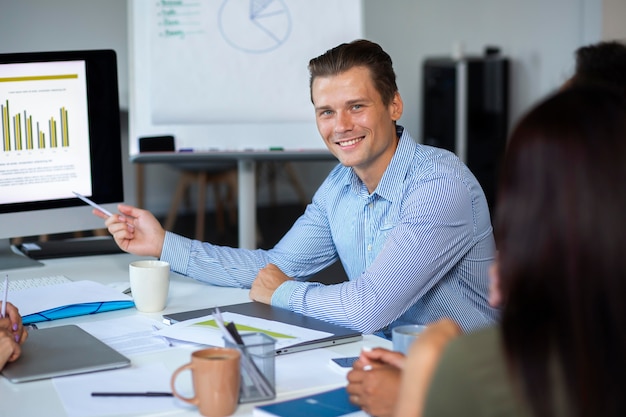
column 403, row 336
column 215, row 376
column 149, row 284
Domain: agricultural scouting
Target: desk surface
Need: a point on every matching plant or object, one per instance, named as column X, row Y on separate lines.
column 40, row 398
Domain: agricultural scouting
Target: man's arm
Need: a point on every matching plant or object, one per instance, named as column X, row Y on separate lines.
column 266, row 282
column 434, row 231
column 306, row 249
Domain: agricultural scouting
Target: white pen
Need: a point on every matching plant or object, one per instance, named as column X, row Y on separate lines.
column 92, row 204
column 6, row 296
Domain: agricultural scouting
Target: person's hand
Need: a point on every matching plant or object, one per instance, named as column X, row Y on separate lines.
column 12, row 334
column 13, row 323
column 380, row 356
column 135, row 230
column 420, row 365
column 9, row 349
column 374, row 381
column 266, row 282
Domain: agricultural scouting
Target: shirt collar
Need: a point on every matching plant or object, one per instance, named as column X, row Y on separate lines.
column 390, row 184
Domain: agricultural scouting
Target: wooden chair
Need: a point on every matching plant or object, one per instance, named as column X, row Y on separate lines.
column 269, row 171
column 223, row 179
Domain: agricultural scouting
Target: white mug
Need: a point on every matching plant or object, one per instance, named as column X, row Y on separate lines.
column 403, row 336
column 149, row 284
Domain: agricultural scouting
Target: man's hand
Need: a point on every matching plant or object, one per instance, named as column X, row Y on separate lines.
column 374, row 381
column 266, row 282
column 135, row 230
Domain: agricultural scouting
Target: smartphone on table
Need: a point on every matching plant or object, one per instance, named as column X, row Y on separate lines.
column 343, row 364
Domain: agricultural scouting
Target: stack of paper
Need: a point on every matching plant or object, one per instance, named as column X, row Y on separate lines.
column 205, row 330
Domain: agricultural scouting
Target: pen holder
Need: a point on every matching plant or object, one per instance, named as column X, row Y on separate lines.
column 260, row 348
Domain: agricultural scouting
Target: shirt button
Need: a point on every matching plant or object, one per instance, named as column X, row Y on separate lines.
column 369, row 247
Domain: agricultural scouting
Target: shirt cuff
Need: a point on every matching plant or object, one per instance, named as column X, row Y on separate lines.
column 176, row 251
column 283, row 293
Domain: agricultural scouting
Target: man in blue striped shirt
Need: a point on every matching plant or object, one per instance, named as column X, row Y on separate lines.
column 409, row 223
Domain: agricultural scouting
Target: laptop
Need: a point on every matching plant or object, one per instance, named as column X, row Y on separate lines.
column 61, row 351
column 340, row 334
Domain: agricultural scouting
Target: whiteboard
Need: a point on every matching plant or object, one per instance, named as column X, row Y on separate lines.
column 231, row 74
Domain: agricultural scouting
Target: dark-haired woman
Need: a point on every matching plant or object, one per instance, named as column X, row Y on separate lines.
column 560, row 275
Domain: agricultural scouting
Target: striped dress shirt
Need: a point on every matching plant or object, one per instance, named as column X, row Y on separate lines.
column 415, row 250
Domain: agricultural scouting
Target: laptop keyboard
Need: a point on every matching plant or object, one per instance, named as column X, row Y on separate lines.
column 22, row 284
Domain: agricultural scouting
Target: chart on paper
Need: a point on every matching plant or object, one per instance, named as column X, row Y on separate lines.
column 204, row 330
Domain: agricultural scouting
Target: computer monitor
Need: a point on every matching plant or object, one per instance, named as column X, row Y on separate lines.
column 59, row 133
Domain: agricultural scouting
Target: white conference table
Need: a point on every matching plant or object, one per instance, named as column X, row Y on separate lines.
column 39, row 398
column 246, row 163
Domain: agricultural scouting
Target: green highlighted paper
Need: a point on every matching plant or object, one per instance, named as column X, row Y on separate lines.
column 244, row 328
column 204, row 330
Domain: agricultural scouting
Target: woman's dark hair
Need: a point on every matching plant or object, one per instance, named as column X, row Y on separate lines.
column 358, row 53
column 602, row 64
column 561, row 238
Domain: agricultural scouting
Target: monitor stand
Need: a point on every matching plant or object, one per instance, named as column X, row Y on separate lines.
column 12, row 258
column 65, row 248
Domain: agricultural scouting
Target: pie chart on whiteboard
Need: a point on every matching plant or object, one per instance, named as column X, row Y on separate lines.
column 254, row 26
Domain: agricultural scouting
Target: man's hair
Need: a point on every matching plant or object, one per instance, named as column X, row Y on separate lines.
column 561, row 235
column 602, row 64
column 358, row 53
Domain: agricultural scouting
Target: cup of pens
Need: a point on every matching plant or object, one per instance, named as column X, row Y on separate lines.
column 258, row 375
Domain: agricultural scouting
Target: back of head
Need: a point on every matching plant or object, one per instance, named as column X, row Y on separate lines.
column 602, row 64
column 561, row 237
column 358, row 53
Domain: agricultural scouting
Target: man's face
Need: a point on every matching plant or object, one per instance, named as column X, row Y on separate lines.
column 355, row 124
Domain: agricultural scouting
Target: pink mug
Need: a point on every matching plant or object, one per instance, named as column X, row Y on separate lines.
column 215, row 374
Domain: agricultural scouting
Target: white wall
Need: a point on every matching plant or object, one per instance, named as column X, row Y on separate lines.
column 538, row 36
column 614, row 19
column 41, row 25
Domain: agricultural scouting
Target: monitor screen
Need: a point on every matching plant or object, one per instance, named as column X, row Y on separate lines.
column 59, row 134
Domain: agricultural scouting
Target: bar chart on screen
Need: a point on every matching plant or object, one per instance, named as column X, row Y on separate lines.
column 42, row 106
column 44, row 129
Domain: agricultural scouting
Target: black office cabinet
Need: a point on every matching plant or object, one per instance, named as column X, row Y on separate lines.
column 465, row 110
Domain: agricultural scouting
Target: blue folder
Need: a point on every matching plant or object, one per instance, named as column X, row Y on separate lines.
column 76, row 310
column 333, row 403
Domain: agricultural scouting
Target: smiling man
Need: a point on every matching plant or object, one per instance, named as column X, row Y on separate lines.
column 357, row 126
column 409, row 223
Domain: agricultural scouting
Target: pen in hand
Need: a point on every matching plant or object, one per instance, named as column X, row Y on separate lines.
column 92, row 204
column 5, row 297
